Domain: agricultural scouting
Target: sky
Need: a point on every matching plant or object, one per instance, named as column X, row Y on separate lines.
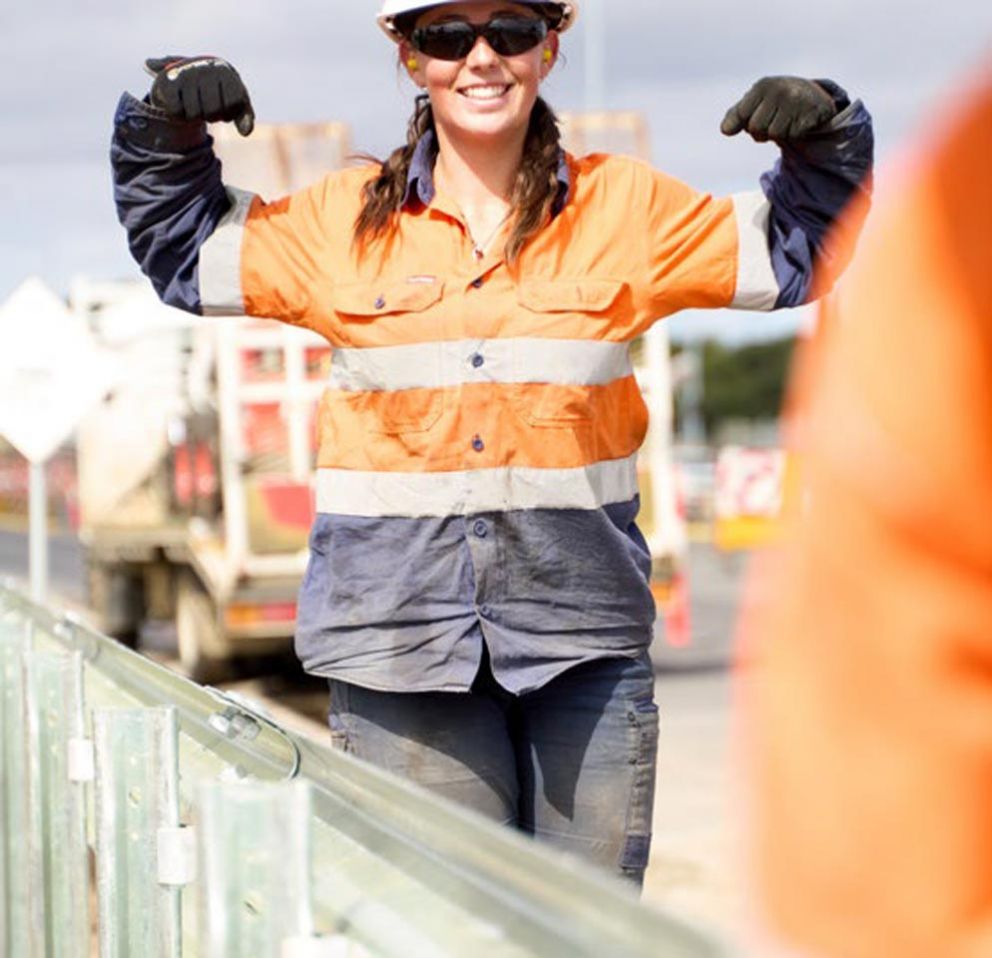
column 681, row 64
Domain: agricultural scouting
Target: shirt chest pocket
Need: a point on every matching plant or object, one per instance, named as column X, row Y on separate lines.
column 555, row 380
column 394, row 389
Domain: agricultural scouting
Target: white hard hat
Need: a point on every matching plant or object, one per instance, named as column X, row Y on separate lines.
column 391, row 9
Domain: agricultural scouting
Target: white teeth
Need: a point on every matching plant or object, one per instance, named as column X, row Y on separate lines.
column 485, row 92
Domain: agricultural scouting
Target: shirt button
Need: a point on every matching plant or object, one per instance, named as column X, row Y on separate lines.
column 380, row 303
column 485, row 611
column 477, row 444
column 481, row 529
column 477, row 283
column 478, row 360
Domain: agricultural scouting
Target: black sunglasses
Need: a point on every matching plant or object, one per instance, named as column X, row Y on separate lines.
column 454, row 39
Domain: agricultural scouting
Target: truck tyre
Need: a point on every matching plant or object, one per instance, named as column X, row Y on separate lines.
column 116, row 595
column 198, row 632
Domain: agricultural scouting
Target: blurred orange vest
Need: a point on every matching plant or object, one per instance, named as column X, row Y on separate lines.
column 869, row 710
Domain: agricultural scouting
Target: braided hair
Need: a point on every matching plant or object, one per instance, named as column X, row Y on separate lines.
column 534, row 189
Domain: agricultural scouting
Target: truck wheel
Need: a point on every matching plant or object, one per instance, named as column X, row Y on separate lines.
column 198, row 632
column 116, row 595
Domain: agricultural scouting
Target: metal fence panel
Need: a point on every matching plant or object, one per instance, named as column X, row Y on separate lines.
column 136, row 796
column 58, row 877
column 254, row 887
column 13, row 788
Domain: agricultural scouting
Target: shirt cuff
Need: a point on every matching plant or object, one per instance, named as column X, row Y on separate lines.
column 836, row 93
column 846, row 139
column 138, row 122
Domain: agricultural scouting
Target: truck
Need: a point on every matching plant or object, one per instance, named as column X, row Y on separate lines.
column 194, row 477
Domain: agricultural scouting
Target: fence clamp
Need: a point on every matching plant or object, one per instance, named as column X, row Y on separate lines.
column 176, row 855
column 80, row 762
column 233, row 723
column 243, row 719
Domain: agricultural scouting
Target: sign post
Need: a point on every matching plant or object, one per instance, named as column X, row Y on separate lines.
column 51, row 373
column 38, row 531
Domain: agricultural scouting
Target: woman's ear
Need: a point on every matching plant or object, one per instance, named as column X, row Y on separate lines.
column 549, row 56
column 410, row 62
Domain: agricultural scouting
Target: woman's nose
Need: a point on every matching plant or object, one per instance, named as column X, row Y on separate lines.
column 481, row 54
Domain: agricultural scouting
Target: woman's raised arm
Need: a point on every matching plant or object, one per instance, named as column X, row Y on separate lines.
column 187, row 230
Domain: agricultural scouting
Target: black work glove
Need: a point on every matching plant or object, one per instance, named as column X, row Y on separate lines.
column 780, row 109
column 201, row 88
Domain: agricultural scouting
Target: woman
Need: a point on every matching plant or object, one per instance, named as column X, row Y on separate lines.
column 478, row 592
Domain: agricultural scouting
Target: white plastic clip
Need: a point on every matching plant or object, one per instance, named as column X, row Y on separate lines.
column 310, row 947
column 80, row 762
column 176, row 856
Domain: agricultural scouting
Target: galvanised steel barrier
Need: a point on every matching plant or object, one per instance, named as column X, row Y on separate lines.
column 211, row 831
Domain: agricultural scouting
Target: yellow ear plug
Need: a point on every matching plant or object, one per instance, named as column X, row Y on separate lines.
column 548, row 56
column 412, row 63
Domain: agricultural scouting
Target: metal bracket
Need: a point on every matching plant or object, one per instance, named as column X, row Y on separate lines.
column 72, row 630
column 239, row 720
column 234, row 723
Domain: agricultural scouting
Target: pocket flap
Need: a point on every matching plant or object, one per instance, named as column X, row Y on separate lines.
column 378, row 299
column 569, row 296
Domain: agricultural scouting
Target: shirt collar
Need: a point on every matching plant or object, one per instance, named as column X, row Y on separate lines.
column 420, row 178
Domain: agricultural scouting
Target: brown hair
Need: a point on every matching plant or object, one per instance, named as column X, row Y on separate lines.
column 533, row 194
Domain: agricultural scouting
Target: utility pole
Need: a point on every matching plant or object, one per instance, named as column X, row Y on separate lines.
column 693, row 426
column 593, row 16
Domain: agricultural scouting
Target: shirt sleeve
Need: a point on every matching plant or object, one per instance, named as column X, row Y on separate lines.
column 208, row 248
column 816, row 179
column 762, row 250
column 691, row 247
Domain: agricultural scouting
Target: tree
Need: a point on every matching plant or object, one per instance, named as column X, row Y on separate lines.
column 745, row 382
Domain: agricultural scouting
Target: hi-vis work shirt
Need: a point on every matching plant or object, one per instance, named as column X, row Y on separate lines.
column 476, row 477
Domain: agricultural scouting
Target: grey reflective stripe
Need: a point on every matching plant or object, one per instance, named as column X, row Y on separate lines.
column 220, row 260
column 432, row 365
column 757, row 287
column 421, row 494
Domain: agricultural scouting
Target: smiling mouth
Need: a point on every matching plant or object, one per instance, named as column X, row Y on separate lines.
column 490, row 91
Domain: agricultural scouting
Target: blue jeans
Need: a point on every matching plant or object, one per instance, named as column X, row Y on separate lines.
column 571, row 763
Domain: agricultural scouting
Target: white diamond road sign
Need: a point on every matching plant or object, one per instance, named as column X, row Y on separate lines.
column 51, row 371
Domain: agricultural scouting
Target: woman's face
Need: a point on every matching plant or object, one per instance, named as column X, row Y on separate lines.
column 484, row 95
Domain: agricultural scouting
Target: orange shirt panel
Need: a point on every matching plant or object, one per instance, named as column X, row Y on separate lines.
column 284, row 251
column 692, row 248
column 630, row 246
column 531, row 425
